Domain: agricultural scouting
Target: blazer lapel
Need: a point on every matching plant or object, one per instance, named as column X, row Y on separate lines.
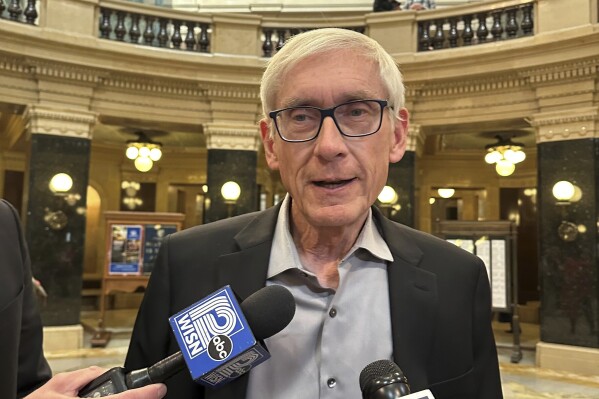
column 245, row 271
column 413, row 302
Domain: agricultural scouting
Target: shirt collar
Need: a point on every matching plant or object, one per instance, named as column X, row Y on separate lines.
column 283, row 253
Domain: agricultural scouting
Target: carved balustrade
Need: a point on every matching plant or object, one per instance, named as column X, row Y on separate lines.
column 154, row 26
column 24, row 11
column 460, row 27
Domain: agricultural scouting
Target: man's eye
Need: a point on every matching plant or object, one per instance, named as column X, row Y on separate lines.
column 300, row 117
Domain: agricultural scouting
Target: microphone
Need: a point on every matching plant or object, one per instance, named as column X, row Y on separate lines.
column 383, row 379
column 219, row 341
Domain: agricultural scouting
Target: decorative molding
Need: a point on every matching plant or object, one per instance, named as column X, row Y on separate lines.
column 150, row 84
column 565, row 125
column 232, row 137
column 235, row 92
column 64, row 71
column 469, row 86
column 415, row 139
column 564, row 71
column 41, row 120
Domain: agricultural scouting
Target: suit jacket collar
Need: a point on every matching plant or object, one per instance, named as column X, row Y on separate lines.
column 245, row 270
column 412, row 291
column 413, row 300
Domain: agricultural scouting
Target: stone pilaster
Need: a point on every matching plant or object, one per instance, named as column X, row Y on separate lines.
column 232, row 155
column 568, row 149
column 55, row 224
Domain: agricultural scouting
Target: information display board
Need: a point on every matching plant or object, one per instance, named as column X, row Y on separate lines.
column 494, row 242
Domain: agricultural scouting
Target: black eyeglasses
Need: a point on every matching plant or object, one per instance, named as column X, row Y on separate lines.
column 356, row 118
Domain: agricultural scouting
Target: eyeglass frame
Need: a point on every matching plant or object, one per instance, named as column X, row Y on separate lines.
column 324, row 112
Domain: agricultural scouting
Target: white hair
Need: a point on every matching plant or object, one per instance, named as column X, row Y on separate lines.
column 325, row 40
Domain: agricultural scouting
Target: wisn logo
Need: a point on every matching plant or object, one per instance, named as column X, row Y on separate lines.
column 208, row 326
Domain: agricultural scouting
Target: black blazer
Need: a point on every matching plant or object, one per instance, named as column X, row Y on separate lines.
column 439, row 295
column 23, row 367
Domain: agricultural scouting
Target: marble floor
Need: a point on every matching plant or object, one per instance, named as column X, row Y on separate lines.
column 522, row 380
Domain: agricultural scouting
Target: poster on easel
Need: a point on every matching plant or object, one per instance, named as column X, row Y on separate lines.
column 125, row 250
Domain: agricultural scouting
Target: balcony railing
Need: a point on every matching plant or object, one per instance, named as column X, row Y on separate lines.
column 24, row 11
column 152, row 26
column 274, row 39
column 458, row 30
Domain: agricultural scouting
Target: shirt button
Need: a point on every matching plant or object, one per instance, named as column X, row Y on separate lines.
column 333, row 312
column 331, row 382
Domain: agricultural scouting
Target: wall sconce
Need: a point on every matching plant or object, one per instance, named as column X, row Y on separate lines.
column 144, row 152
column 566, row 193
column 59, row 185
column 230, row 192
column 446, row 192
column 388, row 198
column 505, row 154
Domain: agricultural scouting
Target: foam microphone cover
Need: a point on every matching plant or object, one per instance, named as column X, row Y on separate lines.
column 269, row 310
column 383, row 379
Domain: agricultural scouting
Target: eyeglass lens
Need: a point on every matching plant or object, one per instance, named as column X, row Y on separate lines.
column 358, row 118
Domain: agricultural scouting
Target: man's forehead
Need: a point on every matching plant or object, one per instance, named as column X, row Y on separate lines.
column 308, row 91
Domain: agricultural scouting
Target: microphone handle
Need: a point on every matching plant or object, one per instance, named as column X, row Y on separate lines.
column 158, row 372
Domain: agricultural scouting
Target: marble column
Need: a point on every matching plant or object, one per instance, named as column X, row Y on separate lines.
column 402, row 178
column 232, row 156
column 568, row 149
column 55, row 223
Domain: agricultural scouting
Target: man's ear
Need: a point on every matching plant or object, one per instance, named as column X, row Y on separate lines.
column 399, row 140
column 268, row 141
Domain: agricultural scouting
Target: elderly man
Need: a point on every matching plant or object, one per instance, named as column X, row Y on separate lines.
column 366, row 288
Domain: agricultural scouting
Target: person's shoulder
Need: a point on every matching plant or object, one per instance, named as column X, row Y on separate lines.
column 223, row 226
column 435, row 249
column 8, row 213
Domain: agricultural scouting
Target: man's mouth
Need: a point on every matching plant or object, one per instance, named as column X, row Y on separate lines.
column 332, row 183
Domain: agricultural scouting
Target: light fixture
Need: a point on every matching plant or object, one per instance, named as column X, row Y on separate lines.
column 505, row 154
column 60, row 183
column 230, row 192
column 132, row 202
column 143, row 151
column 446, row 192
column 388, row 196
column 130, row 187
column 565, row 193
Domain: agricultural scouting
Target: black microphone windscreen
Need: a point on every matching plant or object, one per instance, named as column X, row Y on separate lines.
column 376, row 370
column 269, row 310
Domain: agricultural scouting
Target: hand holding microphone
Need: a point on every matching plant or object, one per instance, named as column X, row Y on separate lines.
column 219, row 341
column 383, row 379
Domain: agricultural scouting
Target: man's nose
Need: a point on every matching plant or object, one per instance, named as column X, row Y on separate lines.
column 330, row 142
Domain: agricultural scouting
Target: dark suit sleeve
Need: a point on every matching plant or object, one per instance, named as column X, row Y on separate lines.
column 485, row 351
column 24, row 340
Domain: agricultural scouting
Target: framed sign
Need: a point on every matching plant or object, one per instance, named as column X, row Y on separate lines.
column 125, row 253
